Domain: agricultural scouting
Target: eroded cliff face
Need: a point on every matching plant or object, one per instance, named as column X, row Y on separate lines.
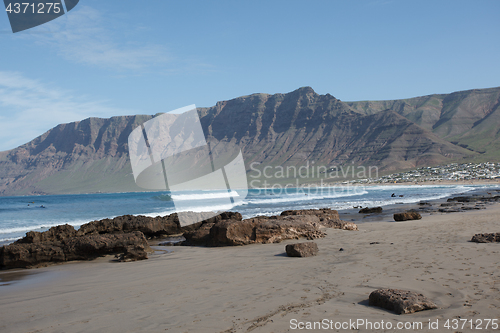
column 470, row 119
column 85, row 156
column 277, row 130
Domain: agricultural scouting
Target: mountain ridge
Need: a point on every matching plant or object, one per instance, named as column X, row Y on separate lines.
column 273, row 130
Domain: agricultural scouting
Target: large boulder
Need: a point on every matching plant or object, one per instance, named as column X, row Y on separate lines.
column 86, row 247
column 149, row 226
column 407, row 216
column 199, row 233
column 199, row 236
column 95, row 245
column 486, row 238
column 400, row 301
column 155, row 226
column 308, row 249
column 264, row 230
column 30, row 255
column 328, row 218
column 54, row 234
column 133, row 253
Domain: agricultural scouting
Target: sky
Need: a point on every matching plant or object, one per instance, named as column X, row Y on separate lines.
column 122, row 57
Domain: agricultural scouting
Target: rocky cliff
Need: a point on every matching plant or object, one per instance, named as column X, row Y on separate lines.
column 290, row 129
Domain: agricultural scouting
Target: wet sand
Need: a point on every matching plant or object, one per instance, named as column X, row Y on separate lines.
column 258, row 288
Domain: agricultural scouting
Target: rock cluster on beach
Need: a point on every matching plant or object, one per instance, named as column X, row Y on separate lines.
column 308, row 249
column 469, row 202
column 460, row 203
column 486, row 238
column 408, row 216
column 31, row 252
column 228, row 230
column 400, row 301
column 126, row 236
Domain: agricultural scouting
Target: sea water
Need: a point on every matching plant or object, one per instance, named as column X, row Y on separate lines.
column 21, row 214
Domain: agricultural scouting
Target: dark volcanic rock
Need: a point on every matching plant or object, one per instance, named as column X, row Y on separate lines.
column 371, row 210
column 264, row 230
column 54, row 234
column 24, row 255
column 213, row 219
column 229, row 228
column 149, row 226
column 407, row 216
column 331, row 213
column 450, row 210
column 456, row 209
column 327, row 218
column 29, row 255
column 448, row 204
column 133, row 253
column 95, row 245
column 475, row 198
column 400, row 301
column 463, row 199
column 476, row 207
column 200, row 236
column 199, row 233
column 486, row 238
column 308, row 249
column 126, row 235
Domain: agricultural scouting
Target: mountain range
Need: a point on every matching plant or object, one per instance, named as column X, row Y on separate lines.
column 294, row 129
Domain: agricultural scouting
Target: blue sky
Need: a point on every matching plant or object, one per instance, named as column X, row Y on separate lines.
column 121, row 57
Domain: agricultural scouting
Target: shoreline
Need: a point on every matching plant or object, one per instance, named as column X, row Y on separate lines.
column 258, row 288
column 341, row 210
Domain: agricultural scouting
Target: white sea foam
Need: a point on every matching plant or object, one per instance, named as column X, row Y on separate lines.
column 300, row 197
column 204, row 196
column 196, row 209
column 13, row 226
column 39, row 227
column 386, row 202
column 8, row 240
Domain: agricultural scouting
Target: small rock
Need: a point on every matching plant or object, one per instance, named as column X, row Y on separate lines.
column 344, row 225
column 449, row 210
column 371, row 210
column 486, row 238
column 407, row 216
column 308, row 249
column 133, row 253
column 400, row 301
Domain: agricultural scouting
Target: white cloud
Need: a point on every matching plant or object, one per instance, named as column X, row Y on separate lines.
column 29, row 107
column 83, row 36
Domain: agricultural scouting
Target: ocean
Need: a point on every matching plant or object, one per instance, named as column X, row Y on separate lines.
column 21, row 214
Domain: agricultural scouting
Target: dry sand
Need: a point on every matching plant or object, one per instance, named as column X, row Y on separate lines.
column 257, row 288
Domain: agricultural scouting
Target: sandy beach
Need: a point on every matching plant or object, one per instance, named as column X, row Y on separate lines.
column 258, row 288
